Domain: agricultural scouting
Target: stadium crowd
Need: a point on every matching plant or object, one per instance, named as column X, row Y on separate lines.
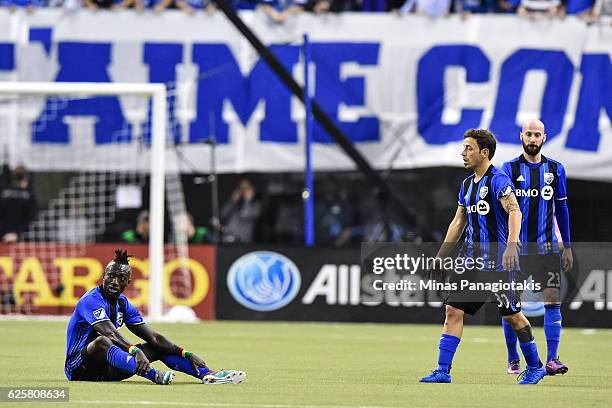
column 280, row 10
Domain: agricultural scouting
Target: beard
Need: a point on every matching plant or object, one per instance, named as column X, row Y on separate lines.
column 532, row 150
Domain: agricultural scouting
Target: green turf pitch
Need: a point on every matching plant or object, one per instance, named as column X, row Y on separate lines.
column 293, row 365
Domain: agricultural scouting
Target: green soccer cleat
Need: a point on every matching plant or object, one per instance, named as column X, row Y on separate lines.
column 224, row 377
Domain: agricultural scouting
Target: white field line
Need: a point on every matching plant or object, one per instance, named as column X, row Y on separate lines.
column 216, row 404
column 34, row 318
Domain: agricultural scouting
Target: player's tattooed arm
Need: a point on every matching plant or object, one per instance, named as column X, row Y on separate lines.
column 511, row 206
column 509, row 203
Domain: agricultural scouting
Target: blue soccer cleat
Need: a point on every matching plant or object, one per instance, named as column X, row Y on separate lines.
column 437, row 376
column 532, row 375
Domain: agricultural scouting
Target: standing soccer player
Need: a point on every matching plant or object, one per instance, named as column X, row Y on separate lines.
column 96, row 351
column 490, row 211
column 541, row 189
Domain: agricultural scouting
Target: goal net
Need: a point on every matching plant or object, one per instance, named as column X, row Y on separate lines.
column 97, row 157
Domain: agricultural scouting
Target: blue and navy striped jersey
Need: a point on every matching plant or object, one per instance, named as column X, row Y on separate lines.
column 536, row 185
column 93, row 308
column 487, row 221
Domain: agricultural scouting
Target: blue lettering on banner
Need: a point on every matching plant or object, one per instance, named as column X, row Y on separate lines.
column 222, row 80
column 7, row 57
column 595, row 94
column 162, row 60
column 42, row 35
column 430, row 90
column 330, row 90
column 559, row 71
column 82, row 62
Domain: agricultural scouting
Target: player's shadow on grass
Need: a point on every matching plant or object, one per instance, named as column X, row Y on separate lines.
column 131, row 382
column 63, row 382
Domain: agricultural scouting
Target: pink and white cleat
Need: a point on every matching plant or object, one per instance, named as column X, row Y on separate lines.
column 555, row 366
column 514, row 367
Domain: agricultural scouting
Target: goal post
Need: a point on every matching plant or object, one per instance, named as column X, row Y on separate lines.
column 158, row 135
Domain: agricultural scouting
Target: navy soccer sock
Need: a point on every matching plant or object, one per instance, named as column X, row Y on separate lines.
column 511, row 340
column 552, row 329
column 448, row 347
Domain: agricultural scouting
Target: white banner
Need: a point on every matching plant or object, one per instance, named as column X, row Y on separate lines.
column 404, row 89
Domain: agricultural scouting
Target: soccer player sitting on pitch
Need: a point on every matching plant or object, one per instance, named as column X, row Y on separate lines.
column 489, row 213
column 95, row 351
column 538, row 180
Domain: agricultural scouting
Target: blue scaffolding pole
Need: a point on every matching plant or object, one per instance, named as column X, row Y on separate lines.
column 308, row 193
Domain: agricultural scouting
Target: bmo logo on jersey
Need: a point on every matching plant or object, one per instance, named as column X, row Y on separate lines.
column 481, row 207
column 532, row 192
column 547, row 193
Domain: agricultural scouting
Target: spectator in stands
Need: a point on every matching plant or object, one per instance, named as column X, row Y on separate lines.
column 429, row 8
column 191, row 6
column 507, row 6
column 334, row 213
column 244, row 4
column 379, row 223
column 467, row 7
column 67, row 5
column 288, row 223
column 372, row 5
column 94, row 5
column 239, row 215
column 138, row 5
column 602, row 11
column 156, row 5
column 320, row 6
column 17, row 206
column 29, row 5
column 280, row 10
column 335, row 6
column 537, row 9
column 184, row 224
column 579, row 8
column 140, row 234
column 74, row 226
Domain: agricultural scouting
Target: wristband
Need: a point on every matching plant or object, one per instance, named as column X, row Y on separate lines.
column 185, row 353
column 133, row 350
